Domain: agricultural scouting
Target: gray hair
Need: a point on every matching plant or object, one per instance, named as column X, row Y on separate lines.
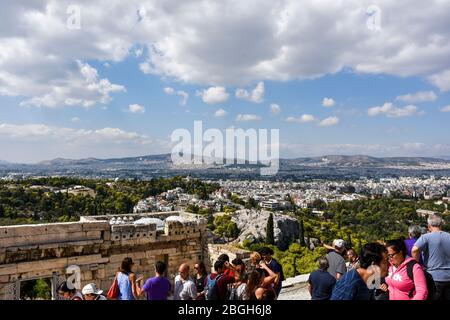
column 323, row 263
column 415, row 231
column 435, row 221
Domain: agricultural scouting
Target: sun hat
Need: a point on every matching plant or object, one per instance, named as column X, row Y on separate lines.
column 91, row 288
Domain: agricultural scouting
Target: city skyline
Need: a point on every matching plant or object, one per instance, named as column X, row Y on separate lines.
column 119, row 82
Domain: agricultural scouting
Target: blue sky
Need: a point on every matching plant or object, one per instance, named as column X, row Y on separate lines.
column 101, row 90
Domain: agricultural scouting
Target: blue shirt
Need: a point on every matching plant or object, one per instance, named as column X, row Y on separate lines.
column 436, row 254
column 125, row 289
column 322, row 284
column 351, row 287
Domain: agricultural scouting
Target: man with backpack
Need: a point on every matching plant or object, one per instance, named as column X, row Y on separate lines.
column 216, row 285
column 435, row 246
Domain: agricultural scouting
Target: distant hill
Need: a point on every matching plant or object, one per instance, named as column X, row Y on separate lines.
column 164, row 160
column 150, row 166
column 363, row 161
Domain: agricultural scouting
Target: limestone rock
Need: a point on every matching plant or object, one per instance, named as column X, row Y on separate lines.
column 252, row 225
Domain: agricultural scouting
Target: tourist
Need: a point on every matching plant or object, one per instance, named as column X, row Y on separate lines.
column 353, row 259
column 228, row 270
column 398, row 283
column 217, row 282
column 435, row 246
column 237, row 290
column 265, row 294
column 335, row 259
column 414, row 233
column 320, row 282
column 91, row 292
column 157, row 287
column 253, row 283
column 185, row 288
column 68, row 293
column 255, row 258
column 200, row 279
column 373, row 263
column 257, row 280
column 126, row 281
column 266, row 254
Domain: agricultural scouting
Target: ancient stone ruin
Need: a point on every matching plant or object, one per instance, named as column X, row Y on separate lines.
column 94, row 247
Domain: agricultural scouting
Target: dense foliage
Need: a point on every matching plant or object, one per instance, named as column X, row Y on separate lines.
column 31, row 200
column 225, row 227
column 357, row 222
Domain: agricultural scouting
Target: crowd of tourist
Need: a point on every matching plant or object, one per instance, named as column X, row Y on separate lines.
column 417, row 268
column 228, row 281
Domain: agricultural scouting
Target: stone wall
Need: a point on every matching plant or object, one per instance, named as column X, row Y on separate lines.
column 98, row 247
column 214, row 250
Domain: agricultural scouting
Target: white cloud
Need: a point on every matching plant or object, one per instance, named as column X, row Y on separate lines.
column 275, row 108
column 138, row 52
column 145, row 67
column 220, row 113
column 446, row 109
column 82, row 88
column 136, row 108
column 35, row 142
column 75, row 120
column 392, row 111
column 264, row 41
column 421, row 96
column 214, row 95
column 272, row 40
column 183, row 94
column 255, row 96
column 169, row 90
column 328, row 102
column 330, row 121
column 248, row 117
column 441, row 80
column 304, row 118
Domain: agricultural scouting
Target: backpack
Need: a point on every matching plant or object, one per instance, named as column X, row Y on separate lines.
column 429, row 279
column 232, row 292
column 211, row 291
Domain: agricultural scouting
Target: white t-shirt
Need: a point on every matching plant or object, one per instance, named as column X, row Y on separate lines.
column 184, row 289
column 241, row 292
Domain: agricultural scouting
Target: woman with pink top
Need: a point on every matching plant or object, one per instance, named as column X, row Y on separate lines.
column 399, row 285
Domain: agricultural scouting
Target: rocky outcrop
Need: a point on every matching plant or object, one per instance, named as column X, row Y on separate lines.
column 252, row 226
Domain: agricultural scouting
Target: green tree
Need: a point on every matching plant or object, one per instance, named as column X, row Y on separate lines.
column 251, row 203
column 225, row 227
column 302, row 233
column 269, row 230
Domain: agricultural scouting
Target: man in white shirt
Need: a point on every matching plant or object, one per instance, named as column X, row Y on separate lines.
column 185, row 288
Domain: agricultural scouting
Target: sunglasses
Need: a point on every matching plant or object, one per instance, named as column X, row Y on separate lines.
column 392, row 255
